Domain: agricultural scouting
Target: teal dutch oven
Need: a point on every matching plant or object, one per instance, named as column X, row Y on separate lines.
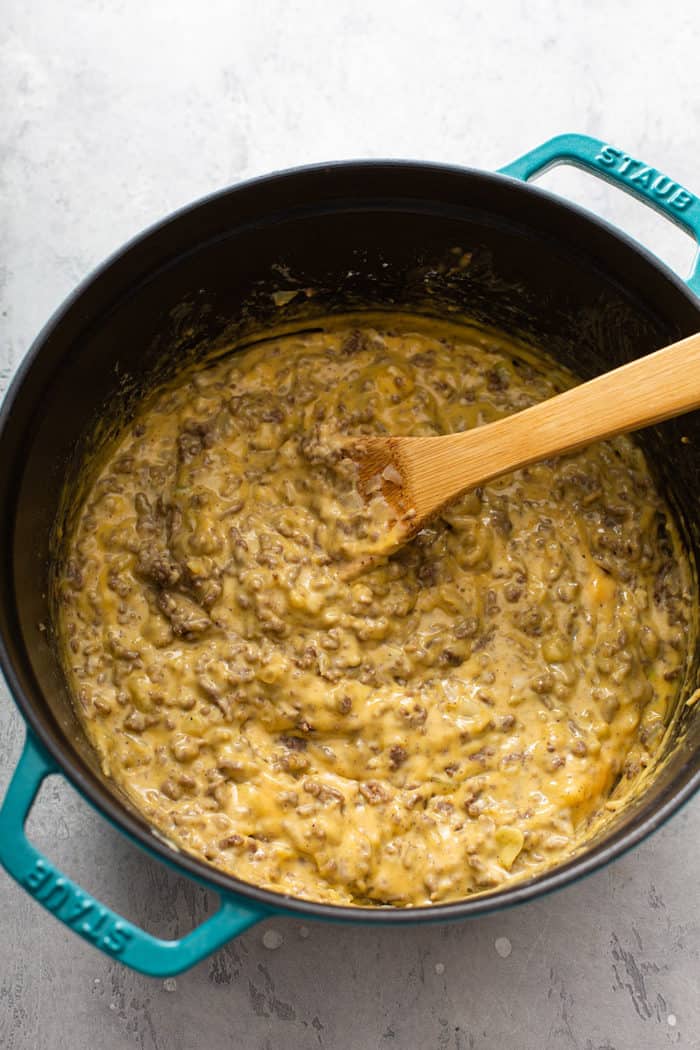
column 361, row 234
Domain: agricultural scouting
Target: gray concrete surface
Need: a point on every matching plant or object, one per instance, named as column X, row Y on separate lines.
column 115, row 112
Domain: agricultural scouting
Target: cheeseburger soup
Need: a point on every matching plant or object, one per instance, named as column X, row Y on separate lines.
column 450, row 721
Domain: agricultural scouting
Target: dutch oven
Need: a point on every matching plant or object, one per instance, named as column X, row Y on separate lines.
column 369, row 234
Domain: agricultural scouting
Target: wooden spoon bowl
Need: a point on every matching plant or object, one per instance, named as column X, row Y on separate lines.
column 418, row 476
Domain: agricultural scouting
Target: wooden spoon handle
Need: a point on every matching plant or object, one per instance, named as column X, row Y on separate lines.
column 645, row 391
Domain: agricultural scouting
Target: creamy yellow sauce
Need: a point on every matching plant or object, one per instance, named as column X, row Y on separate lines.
column 453, row 720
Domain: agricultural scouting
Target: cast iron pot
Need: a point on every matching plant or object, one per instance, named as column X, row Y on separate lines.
column 368, row 234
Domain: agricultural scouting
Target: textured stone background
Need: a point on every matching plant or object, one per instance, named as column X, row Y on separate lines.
column 115, row 112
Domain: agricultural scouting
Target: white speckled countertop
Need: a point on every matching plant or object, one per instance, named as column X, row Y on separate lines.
column 114, row 113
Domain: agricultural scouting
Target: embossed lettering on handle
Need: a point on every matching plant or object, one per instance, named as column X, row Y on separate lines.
column 90, row 919
column 641, row 176
column 650, row 185
column 73, row 907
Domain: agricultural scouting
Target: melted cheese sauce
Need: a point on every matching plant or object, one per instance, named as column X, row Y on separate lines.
column 450, row 722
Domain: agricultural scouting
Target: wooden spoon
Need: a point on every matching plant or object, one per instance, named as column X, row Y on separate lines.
column 417, row 476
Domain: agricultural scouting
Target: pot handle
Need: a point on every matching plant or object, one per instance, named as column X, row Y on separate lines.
column 608, row 162
column 85, row 915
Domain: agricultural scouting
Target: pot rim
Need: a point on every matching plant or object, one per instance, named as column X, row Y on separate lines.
column 147, row 837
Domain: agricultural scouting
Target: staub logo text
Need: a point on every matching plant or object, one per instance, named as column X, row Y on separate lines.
column 67, row 902
column 653, row 183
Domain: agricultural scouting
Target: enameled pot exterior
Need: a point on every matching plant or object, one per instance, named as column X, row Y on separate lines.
column 366, row 234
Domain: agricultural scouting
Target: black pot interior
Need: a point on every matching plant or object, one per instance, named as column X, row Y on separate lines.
column 359, row 236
